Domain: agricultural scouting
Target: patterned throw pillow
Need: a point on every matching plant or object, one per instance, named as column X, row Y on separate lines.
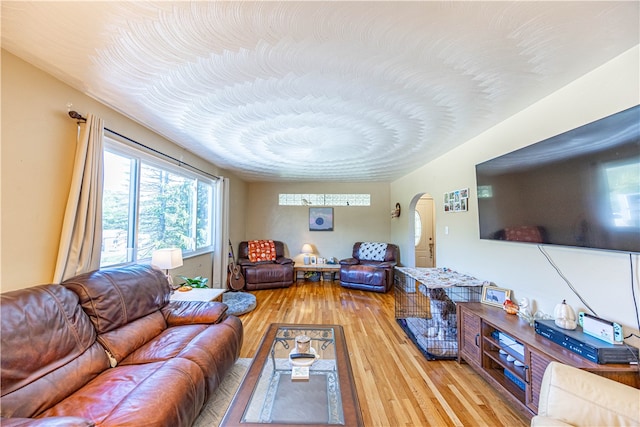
column 371, row 251
column 262, row 250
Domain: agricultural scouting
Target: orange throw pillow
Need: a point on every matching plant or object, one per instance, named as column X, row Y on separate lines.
column 262, row 250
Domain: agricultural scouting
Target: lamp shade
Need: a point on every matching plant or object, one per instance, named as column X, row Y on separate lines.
column 166, row 259
column 307, row 249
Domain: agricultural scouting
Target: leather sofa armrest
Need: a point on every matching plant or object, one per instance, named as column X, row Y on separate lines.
column 46, row 422
column 244, row 262
column 582, row 398
column 284, row 260
column 178, row 313
column 349, row 261
column 387, row 264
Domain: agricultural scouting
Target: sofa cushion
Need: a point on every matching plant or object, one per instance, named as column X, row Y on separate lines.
column 126, row 339
column 113, row 297
column 49, row 349
column 269, row 273
column 212, row 347
column 146, row 333
column 188, row 312
column 364, row 274
column 166, row 345
column 169, row 393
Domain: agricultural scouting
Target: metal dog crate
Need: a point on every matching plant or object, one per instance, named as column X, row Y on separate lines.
column 425, row 307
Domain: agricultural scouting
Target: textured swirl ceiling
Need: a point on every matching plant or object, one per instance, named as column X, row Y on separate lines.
column 328, row 91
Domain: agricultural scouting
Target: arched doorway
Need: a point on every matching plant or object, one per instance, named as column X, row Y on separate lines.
column 424, row 240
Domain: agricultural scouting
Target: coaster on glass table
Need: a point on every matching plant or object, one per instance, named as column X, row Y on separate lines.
column 300, row 373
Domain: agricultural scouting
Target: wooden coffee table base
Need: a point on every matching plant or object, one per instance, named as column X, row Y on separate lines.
column 267, row 394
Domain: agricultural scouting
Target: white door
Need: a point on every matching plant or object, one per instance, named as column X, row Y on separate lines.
column 425, row 248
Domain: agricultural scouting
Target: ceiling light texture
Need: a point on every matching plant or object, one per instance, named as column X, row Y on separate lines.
column 329, row 91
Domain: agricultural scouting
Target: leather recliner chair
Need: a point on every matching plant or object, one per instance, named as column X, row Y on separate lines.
column 370, row 267
column 276, row 273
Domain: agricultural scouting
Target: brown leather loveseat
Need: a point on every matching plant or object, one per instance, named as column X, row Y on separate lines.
column 109, row 348
column 270, row 269
column 370, row 267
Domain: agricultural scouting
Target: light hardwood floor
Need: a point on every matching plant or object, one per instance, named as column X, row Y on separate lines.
column 397, row 386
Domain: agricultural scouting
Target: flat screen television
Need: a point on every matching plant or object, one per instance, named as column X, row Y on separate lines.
column 580, row 188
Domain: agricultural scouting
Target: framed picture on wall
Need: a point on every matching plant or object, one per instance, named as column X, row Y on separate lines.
column 456, row 201
column 320, row 219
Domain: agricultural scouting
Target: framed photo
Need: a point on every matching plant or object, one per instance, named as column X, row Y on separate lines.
column 457, row 200
column 320, row 219
column 494, row 295
column 313, row 259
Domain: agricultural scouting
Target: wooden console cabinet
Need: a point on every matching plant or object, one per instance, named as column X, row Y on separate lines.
column 517, row 371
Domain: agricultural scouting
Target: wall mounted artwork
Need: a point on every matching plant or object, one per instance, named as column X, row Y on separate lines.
column 320, row 219
column 456, row 201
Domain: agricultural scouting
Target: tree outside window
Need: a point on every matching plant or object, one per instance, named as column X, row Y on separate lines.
column 147, row 206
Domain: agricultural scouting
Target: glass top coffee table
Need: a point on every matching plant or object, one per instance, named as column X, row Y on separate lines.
column 268, row 395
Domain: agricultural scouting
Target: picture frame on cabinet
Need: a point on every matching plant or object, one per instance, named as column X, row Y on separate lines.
column 493, row 295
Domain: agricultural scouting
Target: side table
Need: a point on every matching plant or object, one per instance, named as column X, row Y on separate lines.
column 322, row 268
column 198, row 294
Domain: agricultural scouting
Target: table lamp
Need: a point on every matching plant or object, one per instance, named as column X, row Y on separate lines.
column 167, row 259
column 307, row 250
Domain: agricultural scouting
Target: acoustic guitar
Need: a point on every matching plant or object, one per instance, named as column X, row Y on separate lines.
column 235, row 279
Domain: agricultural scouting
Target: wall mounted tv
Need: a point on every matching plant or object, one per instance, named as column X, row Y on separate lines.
column 580, row 188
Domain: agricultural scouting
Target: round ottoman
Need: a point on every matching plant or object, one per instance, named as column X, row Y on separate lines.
column 239, row 302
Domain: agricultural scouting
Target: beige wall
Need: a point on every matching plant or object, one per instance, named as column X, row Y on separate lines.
column 290, row 224
column 38, row 144
column 37, row 152
column 602, row 278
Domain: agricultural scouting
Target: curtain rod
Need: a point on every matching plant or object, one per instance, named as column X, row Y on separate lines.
column 77, row 116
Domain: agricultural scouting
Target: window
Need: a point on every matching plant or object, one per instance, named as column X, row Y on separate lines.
column 324, row 199
column 417, row 230
column 148, row 204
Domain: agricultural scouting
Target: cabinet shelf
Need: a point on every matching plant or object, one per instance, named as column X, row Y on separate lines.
column 498, row 375
column 495, row 344
column 477, row 326
column 501, row 360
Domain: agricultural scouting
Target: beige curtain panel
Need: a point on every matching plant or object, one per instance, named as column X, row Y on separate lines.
column 81, row 238
column 221, row 251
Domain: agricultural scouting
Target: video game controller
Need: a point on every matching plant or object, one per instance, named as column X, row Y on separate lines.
column 617, row 333
column 581, row 318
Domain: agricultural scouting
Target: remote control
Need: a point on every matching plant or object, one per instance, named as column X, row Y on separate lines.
column 302, row 356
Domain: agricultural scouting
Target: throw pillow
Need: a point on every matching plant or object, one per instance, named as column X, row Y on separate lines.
column 262, row 250
column 371, row 251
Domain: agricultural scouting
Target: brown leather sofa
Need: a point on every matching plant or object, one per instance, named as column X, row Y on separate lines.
column 370, row 267
column 266, row 274
column 109, row 348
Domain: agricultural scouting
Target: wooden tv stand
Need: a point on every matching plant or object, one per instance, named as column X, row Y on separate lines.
column 477, row 325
